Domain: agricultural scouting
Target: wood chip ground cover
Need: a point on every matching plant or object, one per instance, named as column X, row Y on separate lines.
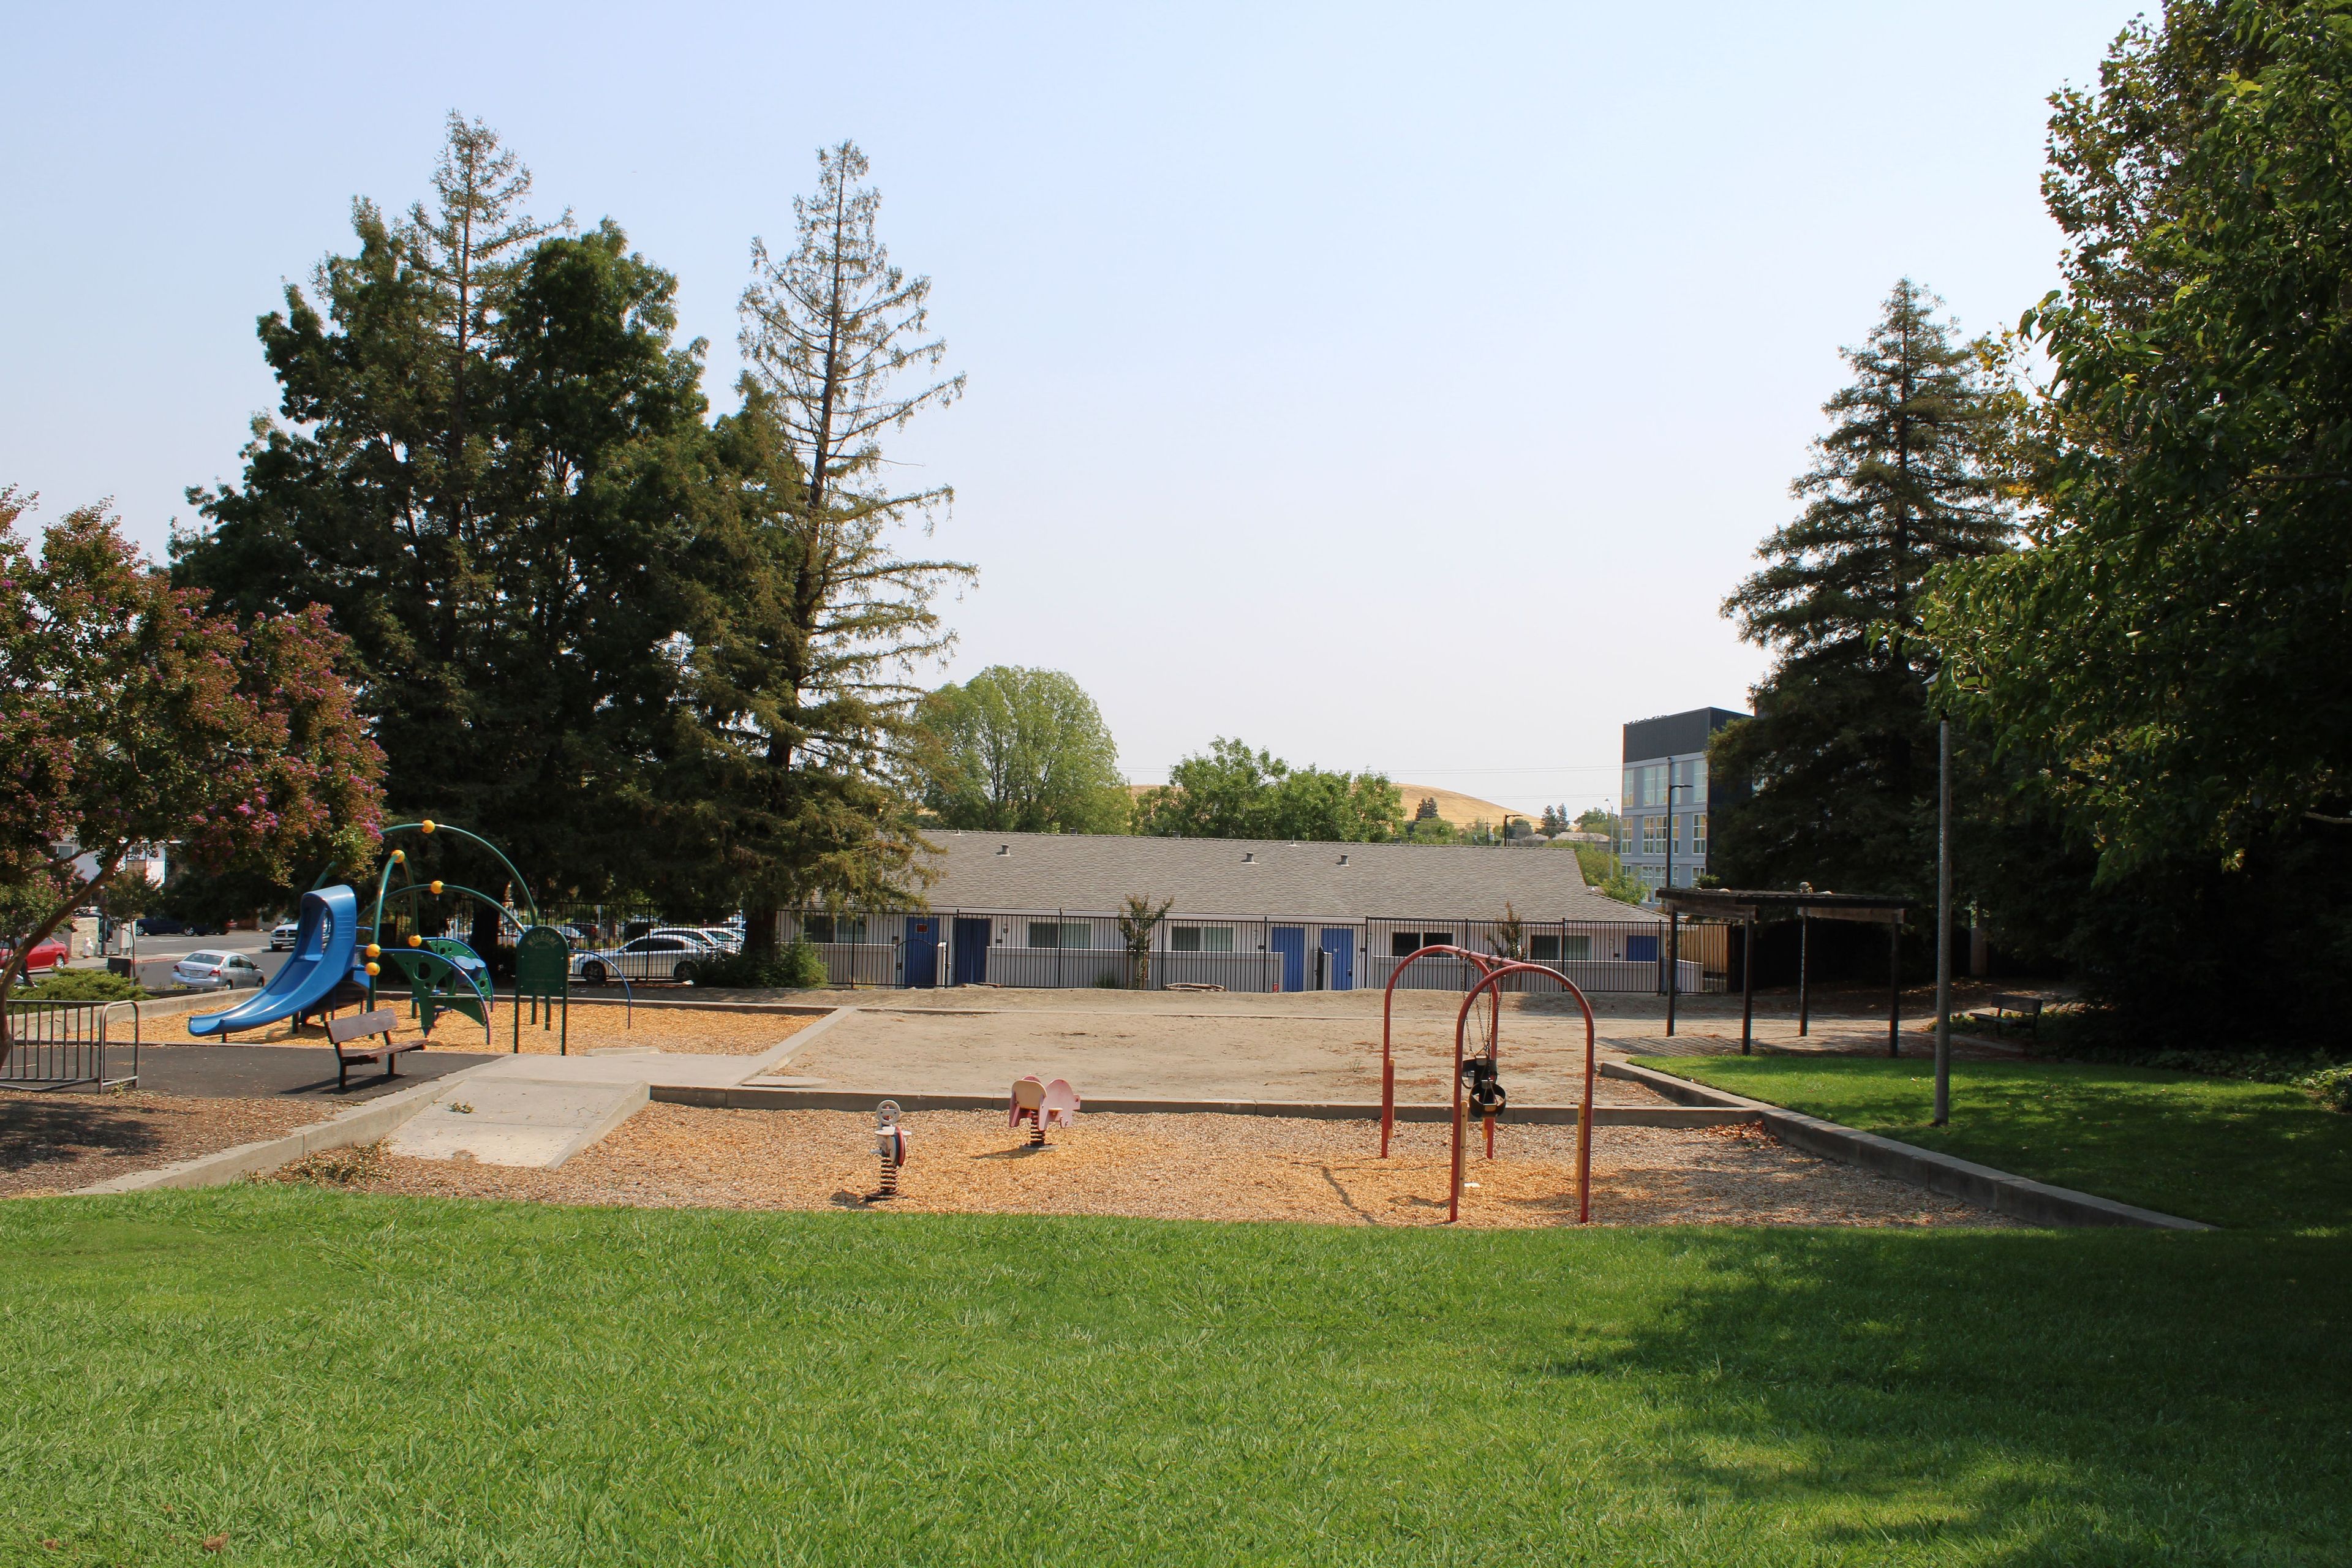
column 57, row 1142
column 1196, row 1167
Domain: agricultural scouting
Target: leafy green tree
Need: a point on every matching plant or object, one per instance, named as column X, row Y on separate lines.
column 516, row 622
column 804, row 692
column 1606, row 875
column 1843, row 746
column 1233, row 791
column 1019, row 751
column 130, row 713
column 2163, row 671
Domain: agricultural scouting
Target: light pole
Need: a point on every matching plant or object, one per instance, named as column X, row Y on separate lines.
column 1944, row 922
column 1673, row 920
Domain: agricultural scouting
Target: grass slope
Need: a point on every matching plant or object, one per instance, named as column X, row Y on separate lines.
column 329, row 1378
column 2218, row 1150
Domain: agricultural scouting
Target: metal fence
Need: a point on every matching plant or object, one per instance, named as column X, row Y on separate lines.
column 876, row 949
column 61, row 1045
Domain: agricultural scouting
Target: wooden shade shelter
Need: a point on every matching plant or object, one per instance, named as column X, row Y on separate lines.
column 1749, row 907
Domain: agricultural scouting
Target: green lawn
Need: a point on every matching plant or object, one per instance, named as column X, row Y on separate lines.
column 2218, row 1150
column 329, row 1378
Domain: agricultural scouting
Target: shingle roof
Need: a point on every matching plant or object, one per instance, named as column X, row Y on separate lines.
column 1090, row 873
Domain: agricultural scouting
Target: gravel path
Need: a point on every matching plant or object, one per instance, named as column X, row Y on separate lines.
column 1196, row 1167
column 54, row 1142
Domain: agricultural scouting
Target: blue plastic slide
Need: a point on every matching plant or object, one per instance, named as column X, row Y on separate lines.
column 321, row 961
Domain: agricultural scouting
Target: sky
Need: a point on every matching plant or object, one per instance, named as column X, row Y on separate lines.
column 1391, row 387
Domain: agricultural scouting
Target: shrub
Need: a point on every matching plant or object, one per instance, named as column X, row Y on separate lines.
column 797, row 967
column 2332, row 1089
column 83, row 985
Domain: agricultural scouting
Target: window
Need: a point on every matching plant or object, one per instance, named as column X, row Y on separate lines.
column 1698, row 834
column 1404, row 943
column 1201, row 938
column 1556, row 949
column 1653, row 835
column 1633, row 789
column 833, row 928
column 1066, row 933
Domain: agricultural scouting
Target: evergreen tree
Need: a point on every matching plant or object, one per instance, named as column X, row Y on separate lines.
column 1019, row 751
column 806, row 699
column 515, row 632
column 1842, row 749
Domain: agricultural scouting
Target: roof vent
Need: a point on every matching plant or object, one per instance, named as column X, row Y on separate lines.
column 1004, row 850
column 1249, row 857
column 1343, row 860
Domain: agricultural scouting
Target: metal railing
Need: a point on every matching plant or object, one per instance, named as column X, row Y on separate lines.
column 62, row 1045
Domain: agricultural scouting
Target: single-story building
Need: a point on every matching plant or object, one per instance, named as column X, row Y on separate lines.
column 1042, row 910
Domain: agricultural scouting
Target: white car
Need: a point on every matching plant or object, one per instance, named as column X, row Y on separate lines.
column 282, row 935
column 717, row 937
column 650, row 957
column 215, row 972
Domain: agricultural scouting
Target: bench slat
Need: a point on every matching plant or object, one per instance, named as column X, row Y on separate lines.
column 382, row 1021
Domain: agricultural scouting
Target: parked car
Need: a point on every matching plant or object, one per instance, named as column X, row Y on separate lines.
column 48, row 953
column 647, row 957
column 709, row 936
column 282, row 935
column 215, row 972
column 578, row 936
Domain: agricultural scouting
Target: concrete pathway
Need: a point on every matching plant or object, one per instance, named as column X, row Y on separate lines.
column 540, row 1110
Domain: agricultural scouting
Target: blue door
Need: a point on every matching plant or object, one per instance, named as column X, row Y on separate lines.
column 1641, row 950
column 1340, row 942
column 921, row 953
column 970, row 961
column 1291, row 942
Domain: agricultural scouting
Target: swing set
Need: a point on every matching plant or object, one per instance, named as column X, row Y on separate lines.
column 1477, row 1081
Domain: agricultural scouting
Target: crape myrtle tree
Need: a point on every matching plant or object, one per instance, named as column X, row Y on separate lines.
column 131, row 714
column 1842, row 750
column 1018, row 751
column 2165, row 669
column 804, row 696
column 1232, row 791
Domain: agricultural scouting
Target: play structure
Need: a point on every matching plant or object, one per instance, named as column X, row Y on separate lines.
column 1042, row 1105
column 1477, row 1073
column 330, row 968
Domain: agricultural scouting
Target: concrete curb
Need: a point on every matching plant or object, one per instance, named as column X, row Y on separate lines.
column 755, row 1097
column 785, row 1049
column 2036, row 1203
column 361, row 1124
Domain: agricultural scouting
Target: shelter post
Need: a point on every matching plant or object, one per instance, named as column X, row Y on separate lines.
column 1747, row 984
column 1804, row 973
column 1893, row 988
column 1674, row 963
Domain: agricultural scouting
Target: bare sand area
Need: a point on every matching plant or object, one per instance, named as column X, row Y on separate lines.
column 54, row 1141
column 1195, row 1167
column 690, row 1031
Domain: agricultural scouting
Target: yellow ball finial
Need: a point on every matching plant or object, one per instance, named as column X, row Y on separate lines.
column 398, row 856
column 425, row 825
column 374, row 970
column 435, row 884
column 416, row 941
column 373, row 951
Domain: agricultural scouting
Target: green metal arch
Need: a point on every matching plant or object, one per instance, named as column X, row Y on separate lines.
column 520, row 881
column 459, row 887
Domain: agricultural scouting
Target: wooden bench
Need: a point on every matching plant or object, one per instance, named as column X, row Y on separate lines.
column 2026, row 1007
column 341, row 1032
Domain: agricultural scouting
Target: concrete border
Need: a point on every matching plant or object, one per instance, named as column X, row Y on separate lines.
column 760, row 1097
column 2020, row 1197
column 360, row 1124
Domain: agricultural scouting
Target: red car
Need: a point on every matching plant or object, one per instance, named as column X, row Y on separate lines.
column 46, row 955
